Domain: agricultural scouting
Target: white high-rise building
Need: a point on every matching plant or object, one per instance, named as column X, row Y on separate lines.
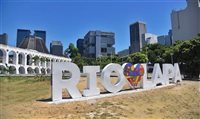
column 149, row 38
column 98, row 43
column 186, row 22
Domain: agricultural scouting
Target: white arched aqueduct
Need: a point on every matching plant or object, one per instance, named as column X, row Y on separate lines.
column 26, row 61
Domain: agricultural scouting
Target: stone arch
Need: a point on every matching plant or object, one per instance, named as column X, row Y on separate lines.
column 48, row 71
column 28, row 59
column 12, row 57
column 48, row 60
column 21, row 70
column 2, row 56
column 42, row 61
column 57, row 60
column 21, row 58
column 12, row 70
column 43, row 71
column 36, row 60
column 53, row 60
column 30, row 70
column 3, row 69
column 37, row 70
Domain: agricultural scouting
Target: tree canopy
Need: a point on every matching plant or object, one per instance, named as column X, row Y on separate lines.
column 71, row 51
column 186, row 53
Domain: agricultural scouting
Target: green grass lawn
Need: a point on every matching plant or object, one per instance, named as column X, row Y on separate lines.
column 17, row 89
column 19, row 95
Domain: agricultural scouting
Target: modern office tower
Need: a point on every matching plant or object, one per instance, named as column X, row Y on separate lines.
column 34, row 43
column 170, row 34
column 80, row 45
column 98, row 43
column 149, row 38
column 123, row 53
column 137, row 29
column 4, row 38
column 56, row 48
column 41, row 34
column 165, row 39
column 186, row 22
column 21, row 34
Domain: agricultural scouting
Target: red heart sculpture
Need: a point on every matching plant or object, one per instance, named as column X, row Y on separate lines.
column 133, row 73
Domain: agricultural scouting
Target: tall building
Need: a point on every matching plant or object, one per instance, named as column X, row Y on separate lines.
column 170, row 34
column 4, row 38
column 21, row 34
column 80, row 45
column 149, row 38
column 56, row 48
column 165, row 39
column 186, row 22
column 137, row 29
column 34, row 43
column 98, row 43
column 41, row 34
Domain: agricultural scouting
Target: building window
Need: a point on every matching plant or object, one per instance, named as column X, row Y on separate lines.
column 93, row 55
column 104, row 36
column 178, row 20
column 92, row 45
column 109, row 45
column 103, row 49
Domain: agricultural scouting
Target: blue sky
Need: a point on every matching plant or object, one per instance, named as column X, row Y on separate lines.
column 68, row 20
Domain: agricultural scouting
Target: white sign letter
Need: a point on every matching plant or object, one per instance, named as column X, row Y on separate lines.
column 157, row 75
column 177, row 74
column 168, row 72
column 91, row 72
column 70, row 84
column 105, row 77
column 146, row 83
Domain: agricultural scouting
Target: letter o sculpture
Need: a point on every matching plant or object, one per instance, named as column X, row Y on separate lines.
column 105, row 77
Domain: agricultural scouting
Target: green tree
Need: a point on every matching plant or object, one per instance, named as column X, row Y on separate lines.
column 71, row 51
column 155, row 53
column 187, row 54
column 80, row 61
column 138, row 57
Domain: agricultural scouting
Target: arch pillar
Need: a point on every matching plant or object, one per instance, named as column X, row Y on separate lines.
column 25, row 60
column 26, row 72
column 7, row 57
column 17, row 58
column 17, row 69
column 45, row 65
